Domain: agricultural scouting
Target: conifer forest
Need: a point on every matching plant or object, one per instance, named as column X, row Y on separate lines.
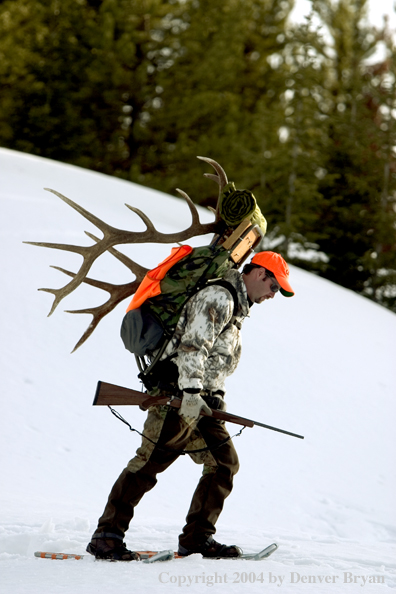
column 303, row 115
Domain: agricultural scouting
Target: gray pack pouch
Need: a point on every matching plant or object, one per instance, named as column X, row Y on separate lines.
column 140, row 332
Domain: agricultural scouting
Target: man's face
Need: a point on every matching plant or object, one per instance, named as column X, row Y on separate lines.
column 259, row 286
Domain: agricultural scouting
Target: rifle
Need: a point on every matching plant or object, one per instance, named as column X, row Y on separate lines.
column 111, row 395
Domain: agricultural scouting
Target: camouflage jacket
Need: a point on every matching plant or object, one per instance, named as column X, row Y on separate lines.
column 208, row 347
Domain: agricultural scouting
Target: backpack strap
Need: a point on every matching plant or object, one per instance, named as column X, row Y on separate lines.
column 231, row 289
column 146, row 370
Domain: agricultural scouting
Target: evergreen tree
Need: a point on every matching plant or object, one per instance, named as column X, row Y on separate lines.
column 213, row 95
column 75, row 74
column 138, row 88
column 380, row 259
column 352, row 212
column 294, row 163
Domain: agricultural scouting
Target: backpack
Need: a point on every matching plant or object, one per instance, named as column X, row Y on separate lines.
column 156, row 307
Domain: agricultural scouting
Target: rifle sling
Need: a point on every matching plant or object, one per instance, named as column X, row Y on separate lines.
column 179, row 452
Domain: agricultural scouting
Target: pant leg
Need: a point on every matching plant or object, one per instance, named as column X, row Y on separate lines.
column 214, row 486
column 168, row 430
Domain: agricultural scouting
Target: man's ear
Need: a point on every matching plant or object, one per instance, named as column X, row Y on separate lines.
column 260, row 273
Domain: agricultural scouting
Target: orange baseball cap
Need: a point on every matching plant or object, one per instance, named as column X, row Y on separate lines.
column 278, row 266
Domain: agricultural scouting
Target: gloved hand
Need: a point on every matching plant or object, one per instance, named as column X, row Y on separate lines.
column 191, row 407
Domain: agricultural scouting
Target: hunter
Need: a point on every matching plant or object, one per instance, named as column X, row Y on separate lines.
column 204, row 350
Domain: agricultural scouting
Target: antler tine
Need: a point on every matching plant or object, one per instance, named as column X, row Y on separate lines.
column 117, row 294
column 144, row 217
column 213, row 177
column 129, row 288
column 77, row 249
column 87, row 215
column 152, row 235
column 221, row 177
column 134, row 267
column 191, row 206
column 89, row 253
column 113, row 236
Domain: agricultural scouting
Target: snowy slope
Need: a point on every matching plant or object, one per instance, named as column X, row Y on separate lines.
column 321, row 364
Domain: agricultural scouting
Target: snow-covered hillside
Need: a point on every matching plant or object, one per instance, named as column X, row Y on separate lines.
column 321, row 364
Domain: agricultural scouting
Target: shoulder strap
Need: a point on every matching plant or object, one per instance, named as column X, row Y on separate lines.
column 231, row 289
column 145, row 369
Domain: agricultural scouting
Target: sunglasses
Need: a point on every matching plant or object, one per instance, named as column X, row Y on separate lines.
column 274, row 287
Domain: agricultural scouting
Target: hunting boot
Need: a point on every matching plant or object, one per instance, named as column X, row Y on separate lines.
column 212, row 549
column 110, row 546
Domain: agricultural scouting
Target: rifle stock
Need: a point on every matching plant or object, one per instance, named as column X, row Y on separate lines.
column 112, row 395
column 109, row 394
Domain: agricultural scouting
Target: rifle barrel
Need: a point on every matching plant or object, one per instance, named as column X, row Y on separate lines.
column 109, row 394
column 279, row 430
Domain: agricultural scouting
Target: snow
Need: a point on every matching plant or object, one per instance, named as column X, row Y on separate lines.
column 321, row 364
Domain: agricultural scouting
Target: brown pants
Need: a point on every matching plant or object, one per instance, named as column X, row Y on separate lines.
column 170, row 433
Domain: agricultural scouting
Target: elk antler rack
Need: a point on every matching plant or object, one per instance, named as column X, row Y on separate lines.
column 112, row 237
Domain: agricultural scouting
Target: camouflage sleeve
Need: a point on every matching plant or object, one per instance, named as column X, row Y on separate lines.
column 207, row 313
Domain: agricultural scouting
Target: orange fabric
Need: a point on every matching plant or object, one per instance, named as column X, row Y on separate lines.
column 150, row 285
column 276, row 264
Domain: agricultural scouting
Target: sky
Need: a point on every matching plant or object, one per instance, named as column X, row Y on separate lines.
column 376, row 10
column 375, row 15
